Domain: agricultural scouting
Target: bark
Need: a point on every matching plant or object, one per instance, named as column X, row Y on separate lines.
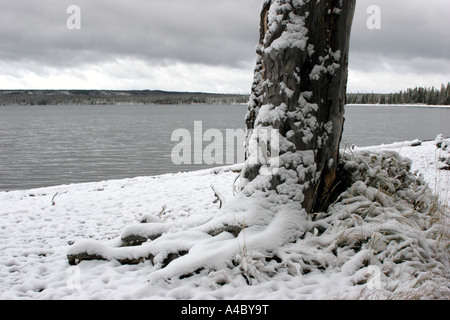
column 299, row 89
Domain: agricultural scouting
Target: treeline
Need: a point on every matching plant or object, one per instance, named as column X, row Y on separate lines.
column 105, row 97
column 418, row 95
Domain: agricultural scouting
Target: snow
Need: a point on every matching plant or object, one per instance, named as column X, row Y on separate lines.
column 260, row 245
column 331, row 68
column 294, row 33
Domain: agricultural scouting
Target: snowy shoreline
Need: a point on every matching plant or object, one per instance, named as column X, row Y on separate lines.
column 39, row 226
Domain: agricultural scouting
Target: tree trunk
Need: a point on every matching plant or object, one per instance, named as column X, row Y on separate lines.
column 299, row 92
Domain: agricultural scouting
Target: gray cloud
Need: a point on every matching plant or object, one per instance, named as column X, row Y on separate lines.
column 220, row 34
column 410, row 30
column 195, row 31
column 410, row 49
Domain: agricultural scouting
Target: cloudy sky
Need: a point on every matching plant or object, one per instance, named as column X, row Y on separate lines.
column 202, row 45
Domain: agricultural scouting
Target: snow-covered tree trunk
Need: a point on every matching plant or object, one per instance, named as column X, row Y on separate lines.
column 299, row 92
column 385, row 231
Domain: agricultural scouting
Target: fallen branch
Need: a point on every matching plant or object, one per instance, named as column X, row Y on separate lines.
column 53, row 199
column 219, row 197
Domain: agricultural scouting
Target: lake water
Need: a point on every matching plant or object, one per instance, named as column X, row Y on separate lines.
column 52, row 145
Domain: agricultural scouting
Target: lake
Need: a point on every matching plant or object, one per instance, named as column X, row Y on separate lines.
column 51, row 145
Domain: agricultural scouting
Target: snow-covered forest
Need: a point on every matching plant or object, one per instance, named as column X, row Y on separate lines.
column 114, row 97
column 417, row 95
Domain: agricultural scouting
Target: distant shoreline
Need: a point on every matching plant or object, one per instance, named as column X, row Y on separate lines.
column 408, row 105
column 145, row 97
column 115, row 97
column 244, row 104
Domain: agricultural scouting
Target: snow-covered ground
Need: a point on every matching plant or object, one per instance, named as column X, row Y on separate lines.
column 39, row 227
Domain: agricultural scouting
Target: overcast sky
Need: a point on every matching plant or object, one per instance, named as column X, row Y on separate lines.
column 202, row 45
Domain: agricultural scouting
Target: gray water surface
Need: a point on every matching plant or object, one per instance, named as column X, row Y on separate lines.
column 51, row 145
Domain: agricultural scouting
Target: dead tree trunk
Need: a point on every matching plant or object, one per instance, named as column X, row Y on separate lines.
column 299, row 92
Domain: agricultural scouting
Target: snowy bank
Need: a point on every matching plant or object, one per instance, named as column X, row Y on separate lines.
column 165, row 237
